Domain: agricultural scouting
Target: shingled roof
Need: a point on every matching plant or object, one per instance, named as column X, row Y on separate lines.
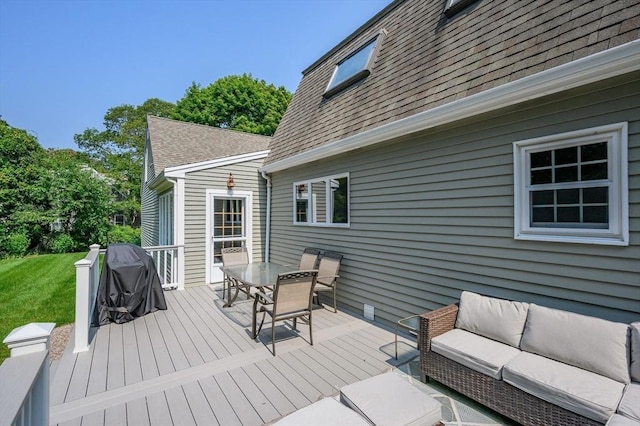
column 427, row 60
column 177, row 143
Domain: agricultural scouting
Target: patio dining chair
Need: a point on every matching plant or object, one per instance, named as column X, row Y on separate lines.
column 291, row 299
column 328, row 275
column 309, row 259
column 234, row 256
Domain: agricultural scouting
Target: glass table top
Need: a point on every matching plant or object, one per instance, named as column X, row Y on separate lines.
column 257, row 274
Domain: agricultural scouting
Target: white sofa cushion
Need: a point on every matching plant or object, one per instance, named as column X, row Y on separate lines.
column 635, row 351
column 327, row 411
column 483, row 355
column 390, row 399
column 618, row 420
column 497, row 319
column 580, row 391
column 586, row 342
column 630, row 404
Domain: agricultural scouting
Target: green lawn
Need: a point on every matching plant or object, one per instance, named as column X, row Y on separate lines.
column 36, row 289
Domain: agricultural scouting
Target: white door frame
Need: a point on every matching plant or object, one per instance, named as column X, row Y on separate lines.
column 211, row 194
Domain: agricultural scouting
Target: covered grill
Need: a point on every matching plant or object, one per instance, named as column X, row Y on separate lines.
column 129, row 286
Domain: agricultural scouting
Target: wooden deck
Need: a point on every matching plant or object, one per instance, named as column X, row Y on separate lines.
column 196, row 363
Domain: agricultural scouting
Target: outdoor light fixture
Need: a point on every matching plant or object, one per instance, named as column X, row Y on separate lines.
column 230, row 182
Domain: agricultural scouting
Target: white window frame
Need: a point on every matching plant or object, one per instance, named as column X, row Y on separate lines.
column 165, row 219
column 617, row 232
column 328, row 202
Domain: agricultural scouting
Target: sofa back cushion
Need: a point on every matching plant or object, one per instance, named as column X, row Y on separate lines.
column 635, row 351
column 497, row 319
column 585, row 342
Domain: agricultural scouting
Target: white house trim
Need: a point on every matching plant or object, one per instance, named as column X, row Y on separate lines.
column 178, row 225
column 180, row 171
column 600, row 66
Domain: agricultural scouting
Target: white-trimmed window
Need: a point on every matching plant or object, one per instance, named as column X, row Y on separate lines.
column 572, row 187
column 165, row 216
column 355, row 66
column 322, row 201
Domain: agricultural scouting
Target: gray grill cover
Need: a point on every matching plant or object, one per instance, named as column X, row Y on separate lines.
column 129, row 286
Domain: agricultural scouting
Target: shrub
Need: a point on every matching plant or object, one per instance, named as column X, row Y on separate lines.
column 124, row 234
column 16, row 244
column 63, row 243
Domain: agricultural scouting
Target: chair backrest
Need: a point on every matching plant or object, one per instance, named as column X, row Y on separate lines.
column 329, row 267
column 235, row 256
column 294, row 291
column 309, row 259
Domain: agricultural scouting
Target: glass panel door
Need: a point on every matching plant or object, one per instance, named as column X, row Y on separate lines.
column 229, row 229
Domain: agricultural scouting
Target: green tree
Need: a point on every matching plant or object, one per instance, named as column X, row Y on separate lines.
column 238, row 102
column 24, row 207
column 81, row 200
column 117, row 151
column 39, row 189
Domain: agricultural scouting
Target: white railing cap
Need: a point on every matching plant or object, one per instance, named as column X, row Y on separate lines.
column 35, row 335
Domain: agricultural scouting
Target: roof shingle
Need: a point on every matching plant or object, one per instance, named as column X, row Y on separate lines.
column 178, row 143
column 427, row 60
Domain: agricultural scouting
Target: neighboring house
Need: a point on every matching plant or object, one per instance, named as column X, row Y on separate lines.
column 495, row 149
column 186, row 199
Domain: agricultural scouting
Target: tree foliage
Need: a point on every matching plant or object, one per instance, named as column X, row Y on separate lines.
column 24, row 209
column 39, row 189
column 238, row 102
column 81, row 200
column 117, row 151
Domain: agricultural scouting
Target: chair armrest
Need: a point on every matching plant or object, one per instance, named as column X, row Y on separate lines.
column 327, row 278
column 263, row 298
column 435, row 323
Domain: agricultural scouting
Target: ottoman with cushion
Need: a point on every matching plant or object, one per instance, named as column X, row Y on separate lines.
column 389, row 399
column 327, row 411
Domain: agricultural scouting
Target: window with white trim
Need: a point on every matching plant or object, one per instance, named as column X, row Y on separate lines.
column 165, row 216
column 322, row 201
column 573, row 187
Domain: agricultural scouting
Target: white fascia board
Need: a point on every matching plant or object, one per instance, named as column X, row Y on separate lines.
column 600, row 66
column 180, row 171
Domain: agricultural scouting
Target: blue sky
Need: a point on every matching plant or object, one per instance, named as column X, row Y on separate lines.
column 64, row 63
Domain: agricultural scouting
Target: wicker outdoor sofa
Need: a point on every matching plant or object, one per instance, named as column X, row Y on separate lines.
column 575, row 357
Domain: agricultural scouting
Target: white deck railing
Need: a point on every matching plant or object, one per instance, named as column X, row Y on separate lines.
column 87, row 279
column 167, row 260
column 24, row 378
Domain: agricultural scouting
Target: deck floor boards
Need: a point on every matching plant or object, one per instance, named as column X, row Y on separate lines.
column 196, row 363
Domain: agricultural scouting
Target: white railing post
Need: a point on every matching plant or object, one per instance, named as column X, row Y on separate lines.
column 24, row 392
column 86, row 287
column 179, row 276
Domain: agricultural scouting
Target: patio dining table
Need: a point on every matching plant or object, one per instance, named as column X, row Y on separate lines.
column 260, row 274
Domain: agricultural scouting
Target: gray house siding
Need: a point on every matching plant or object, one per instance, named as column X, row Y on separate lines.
column 247, row 178
column 149, row 209
column 433, row 215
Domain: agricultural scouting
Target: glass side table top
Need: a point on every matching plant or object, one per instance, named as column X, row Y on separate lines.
column 410, row 323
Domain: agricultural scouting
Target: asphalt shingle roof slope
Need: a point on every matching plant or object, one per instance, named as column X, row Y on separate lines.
column 427, row 60
column 178, row 143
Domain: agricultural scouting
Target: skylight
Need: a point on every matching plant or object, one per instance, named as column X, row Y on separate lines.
column 354, row 67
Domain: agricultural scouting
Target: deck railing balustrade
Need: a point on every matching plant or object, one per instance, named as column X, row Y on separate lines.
column 24, row 394
column 87, row 279
column 167, row 260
